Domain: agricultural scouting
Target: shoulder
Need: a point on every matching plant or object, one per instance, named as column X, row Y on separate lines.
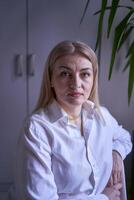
column 105, row 112
column 107, row 117
column 37, row 130
column 37, row 123
column 43, row 116
column 39, row 119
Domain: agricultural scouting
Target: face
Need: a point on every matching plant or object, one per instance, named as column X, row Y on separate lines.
column 72, row 80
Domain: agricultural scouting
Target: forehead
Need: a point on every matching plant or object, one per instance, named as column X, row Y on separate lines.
column 75, row 60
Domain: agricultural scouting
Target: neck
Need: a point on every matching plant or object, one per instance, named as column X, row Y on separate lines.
column 74, row 113
column 74, row 118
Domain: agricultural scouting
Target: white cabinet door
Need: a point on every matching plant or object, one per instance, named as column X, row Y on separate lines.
column 12, row 84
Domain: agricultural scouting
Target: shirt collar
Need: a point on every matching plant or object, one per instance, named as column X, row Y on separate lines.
column 56, row 113
column 88, row 109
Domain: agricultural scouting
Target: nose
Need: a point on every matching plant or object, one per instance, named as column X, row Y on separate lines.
column 75, row 82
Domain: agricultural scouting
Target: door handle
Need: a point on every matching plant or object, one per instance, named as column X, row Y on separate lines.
column 19, row 65
column 31, row 65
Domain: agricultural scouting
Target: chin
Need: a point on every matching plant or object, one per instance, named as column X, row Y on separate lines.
column 71, row 102
column 75, row 102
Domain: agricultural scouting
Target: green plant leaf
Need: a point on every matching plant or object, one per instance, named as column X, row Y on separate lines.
column 85, row 10
column 109, row 7
column 131, row 76
column 126, row 66
column 124, row 37
column 100, row 24
column 112, row 14
column 118, row 34
column 130, row 49
column 127, row 56
column 127, row 30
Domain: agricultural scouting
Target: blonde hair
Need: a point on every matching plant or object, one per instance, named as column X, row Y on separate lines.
column 67, row 48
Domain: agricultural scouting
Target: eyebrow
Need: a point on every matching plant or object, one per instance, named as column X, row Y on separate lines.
column 68, row 68
column 64, row 67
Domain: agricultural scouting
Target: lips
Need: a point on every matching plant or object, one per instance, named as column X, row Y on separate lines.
column 75, row 94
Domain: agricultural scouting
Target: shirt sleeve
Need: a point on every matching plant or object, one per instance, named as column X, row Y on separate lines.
column 121, row 137
column 121, row 140
column 35, row 179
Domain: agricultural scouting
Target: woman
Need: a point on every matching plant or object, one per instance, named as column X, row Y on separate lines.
column 71, row 148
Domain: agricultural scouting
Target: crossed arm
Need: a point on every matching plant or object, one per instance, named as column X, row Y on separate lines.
column 114, row 185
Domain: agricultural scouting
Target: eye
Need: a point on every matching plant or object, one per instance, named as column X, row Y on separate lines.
column 65, row 74
column 85, row 74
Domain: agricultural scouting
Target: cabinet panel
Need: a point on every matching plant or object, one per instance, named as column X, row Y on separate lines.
column 12, row 86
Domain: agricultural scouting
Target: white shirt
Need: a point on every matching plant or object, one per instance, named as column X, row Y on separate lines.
column 56, row 162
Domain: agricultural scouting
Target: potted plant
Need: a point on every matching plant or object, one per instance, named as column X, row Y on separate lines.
column 121, row 33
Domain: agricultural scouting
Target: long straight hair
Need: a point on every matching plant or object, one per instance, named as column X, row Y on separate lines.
column 62, row 49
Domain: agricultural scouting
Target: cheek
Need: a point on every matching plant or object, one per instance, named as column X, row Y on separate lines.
column 89, row 90
column 55, row 82
column 88, row 87
column 59, row 86
column 60, row 83
column 89, row 84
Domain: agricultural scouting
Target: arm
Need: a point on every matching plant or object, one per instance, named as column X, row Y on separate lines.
column 35, row 177
column 113, row 192
column 116, row 175
column 121, row 137
column 35, row 180
column 121, row 140
column 121, row 147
